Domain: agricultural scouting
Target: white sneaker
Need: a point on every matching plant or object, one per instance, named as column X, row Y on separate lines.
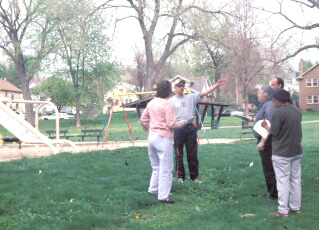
column 181, row 180
column 198, row 181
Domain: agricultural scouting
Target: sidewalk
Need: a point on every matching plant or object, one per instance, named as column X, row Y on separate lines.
column 12, row 152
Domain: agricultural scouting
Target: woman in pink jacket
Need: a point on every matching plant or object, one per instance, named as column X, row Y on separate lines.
column 159, row 118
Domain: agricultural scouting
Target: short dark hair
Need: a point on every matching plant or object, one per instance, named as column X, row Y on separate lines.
column 282, row 96
column 163, row 89
column 280, row 81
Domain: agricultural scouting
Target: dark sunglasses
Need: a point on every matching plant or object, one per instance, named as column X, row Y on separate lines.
column 181, row 86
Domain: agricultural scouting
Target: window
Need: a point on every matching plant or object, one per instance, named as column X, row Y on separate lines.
column 6, row 93
column 12, row 96
column 313, row 99
column 312, row 82
column 126, row 101
column 17, row 106
column 121, row 90
column 130, row 100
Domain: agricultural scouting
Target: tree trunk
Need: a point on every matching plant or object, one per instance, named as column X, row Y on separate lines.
column 20, row 66
column 150, row 68
column 218, row 74
column 245, row 86
column 77, row 106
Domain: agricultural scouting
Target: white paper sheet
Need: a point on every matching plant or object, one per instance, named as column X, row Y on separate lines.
column 190, row 121
column 261, row 130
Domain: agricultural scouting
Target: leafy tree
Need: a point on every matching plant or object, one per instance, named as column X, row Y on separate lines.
column 25, row 27
column 10, row 73
column 57, row 90
column 85, row 50
column 99, row 80
column 209, row 52
column 307, row 65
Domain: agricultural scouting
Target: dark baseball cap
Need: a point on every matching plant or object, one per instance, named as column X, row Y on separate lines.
column 181, row 82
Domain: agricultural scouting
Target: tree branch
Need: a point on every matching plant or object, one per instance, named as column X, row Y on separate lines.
column 314, row 46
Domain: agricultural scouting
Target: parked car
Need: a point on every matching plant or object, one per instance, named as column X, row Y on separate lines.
column 232, row 113
column 53, row 116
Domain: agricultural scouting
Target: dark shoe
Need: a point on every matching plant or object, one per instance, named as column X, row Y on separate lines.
column 167, row 201
column 272, row 198
column 279, row 214
column 295, row 211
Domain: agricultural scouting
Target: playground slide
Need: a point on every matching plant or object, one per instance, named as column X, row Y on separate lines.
column 24, row 131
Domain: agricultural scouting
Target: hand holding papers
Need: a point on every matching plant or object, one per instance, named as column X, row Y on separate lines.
column 260, row 130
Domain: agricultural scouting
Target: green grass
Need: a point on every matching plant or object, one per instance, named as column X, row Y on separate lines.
column 97, row 190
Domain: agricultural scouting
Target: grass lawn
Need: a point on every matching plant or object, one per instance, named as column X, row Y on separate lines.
column 98, row 190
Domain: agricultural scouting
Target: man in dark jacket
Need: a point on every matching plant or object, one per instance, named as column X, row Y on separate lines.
column 266, row 111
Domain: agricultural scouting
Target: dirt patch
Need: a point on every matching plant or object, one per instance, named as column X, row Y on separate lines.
column 12, row 152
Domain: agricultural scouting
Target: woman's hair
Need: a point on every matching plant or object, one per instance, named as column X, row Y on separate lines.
column 282, row 96
column 267, row 91
column 163, row 89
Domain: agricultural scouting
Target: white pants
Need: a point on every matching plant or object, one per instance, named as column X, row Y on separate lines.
column 160, row 152
column 288, row 177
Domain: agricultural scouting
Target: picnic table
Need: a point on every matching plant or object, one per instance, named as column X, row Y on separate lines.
column 52, row 134
column 91, row 133
column 142, row 103
column 85, row 133
column 208, row 104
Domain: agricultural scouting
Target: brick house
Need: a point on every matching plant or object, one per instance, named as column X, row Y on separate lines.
column 309, row 88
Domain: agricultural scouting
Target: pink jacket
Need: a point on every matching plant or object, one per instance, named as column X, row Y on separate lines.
column 159, row 117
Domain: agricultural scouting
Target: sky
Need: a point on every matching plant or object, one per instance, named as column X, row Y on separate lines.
column 128, row 35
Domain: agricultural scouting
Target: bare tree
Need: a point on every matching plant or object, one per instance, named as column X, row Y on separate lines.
column 168, row 19
column 137, row 74
column 244, row 48
column 305, row 7
column 209, row 51
column 24, row 30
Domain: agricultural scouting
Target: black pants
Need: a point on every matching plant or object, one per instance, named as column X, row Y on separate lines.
column 269, row 172
column 187, row 136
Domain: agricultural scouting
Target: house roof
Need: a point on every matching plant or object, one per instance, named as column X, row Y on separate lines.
column 198, row 83
column 300, row 77
column 131, row 88
column 7, row 86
